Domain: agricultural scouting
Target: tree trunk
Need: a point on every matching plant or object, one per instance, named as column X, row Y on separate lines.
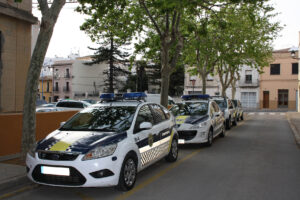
column 165, row 82
column 111, row 66
column 223, row 91
column 49, row 18
column 203, row 78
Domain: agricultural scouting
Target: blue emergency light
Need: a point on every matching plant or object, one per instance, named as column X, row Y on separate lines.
column 195, row 96
column 107, row 96
column 134, row 96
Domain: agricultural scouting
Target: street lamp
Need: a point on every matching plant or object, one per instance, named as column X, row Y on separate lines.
column 193, row 80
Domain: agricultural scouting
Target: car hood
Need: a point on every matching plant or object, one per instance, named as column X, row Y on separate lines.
column 191, row 119
column 78, row 141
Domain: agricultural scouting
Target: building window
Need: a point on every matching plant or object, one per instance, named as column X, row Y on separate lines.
column 275, row 69
column 283, row 98
column 248, row 76
column 67, row 86
column 295, row 68
column 47, row 86
column 56, row 86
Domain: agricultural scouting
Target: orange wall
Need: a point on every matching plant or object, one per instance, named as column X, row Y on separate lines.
column 11, row 129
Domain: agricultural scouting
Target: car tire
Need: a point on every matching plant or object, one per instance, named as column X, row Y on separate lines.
column 210, row 138
column 222, row 134
column 234, row 123
column 228, row 123
column 242, row 117
column 173, row 153
column 128, row 174
column 238, row 118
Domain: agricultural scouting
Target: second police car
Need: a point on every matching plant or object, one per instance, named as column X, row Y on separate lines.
column 105, row 145
column 198, row 119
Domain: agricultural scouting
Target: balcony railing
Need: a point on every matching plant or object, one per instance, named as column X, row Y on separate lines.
column 66, row 89
column 67, row 75
column 56, row 89
column 249, row 83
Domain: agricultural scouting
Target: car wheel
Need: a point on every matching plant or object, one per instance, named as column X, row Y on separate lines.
column 228, row 124
column 222, row 134
column 238, row 118
column 128, row 174
column 173, row 154
column 242, row 117
column 234, row 123
column 210, row 138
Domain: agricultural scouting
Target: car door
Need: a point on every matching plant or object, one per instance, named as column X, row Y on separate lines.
column 162, row 129
column 144, row 139
column 218, row 117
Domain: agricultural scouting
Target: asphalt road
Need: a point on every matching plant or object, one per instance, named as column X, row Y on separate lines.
column 256, row 160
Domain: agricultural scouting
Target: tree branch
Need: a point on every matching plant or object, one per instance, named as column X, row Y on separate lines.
column 44, row 7
column 142, row 3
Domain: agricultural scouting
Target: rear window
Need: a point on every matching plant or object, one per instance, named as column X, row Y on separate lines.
column 70, row 104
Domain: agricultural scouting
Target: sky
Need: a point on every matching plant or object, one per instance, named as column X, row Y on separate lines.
column 68, row 38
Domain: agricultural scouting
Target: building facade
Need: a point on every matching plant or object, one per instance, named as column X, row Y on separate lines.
column 247, row 87
column 62, row 79
column 15, row 52
column 279, row 82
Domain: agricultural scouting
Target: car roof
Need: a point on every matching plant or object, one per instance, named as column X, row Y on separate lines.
column 119, row 103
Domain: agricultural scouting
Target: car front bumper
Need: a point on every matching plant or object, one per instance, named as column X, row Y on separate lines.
column 80, row 171
column 190, row 136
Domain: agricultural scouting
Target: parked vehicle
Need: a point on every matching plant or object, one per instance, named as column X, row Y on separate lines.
column 90, row 101
column 48, row 109
column 239, row 109
column 48, row 105
column 105, row 144
column 72, row 105
column 155, row 98
column 228, row 109
column 198, row 120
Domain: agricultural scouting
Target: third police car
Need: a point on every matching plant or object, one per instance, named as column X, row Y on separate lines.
column 105, row 144
column 198, row 119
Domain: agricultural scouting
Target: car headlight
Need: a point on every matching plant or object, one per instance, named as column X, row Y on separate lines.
column 100, row 152
column 200, row 125
column 32, row 150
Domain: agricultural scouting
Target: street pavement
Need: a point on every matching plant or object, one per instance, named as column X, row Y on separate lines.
column 258, row 159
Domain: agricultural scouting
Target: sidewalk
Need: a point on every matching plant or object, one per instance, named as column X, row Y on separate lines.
column 294, row 121
column 12, row 173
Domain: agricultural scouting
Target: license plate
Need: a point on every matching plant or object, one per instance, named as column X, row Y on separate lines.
column 180, row 141
column 61, row 171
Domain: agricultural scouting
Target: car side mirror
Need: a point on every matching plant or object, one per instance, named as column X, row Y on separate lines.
column 145, row 126
column 62, row 123
column 217, row 114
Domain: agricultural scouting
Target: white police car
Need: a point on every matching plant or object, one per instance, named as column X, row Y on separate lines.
column 198, row 119
column 105, row 145
column 228, row 108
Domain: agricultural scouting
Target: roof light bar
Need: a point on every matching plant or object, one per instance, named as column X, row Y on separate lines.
column 134, row 96
column 107, row 96
column 195, row 96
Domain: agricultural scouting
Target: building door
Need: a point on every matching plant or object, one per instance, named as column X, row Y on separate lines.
column 266, row 99
column 283, row 98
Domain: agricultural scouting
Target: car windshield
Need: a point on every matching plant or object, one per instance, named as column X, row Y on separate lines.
column 103, row 118
column 221, row 103
column 190, row 108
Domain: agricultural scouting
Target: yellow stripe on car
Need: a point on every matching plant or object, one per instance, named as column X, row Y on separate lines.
column 181, row 119
column 60, row 146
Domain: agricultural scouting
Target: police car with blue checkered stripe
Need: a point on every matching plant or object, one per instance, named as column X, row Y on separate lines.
column 105, row 144
column 198, row 119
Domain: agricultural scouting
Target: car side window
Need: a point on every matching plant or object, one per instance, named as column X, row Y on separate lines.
column 158, row 113
column 144, row 115
column 167, row 113
column 211, row 110
column 216, row 107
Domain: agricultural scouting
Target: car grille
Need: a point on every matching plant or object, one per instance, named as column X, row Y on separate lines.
column 45, row 155
column 187, row 135
column 75, row 178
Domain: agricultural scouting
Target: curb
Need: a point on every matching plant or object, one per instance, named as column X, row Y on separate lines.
column 295, row 131
column 14, row 181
